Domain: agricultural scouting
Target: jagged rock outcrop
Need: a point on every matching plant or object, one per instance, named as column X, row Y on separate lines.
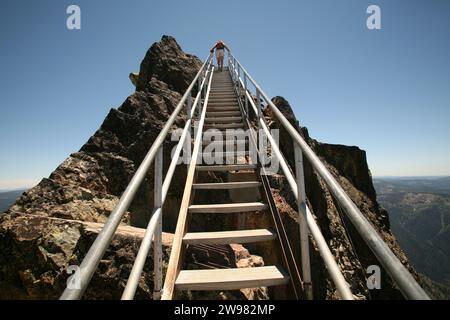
column 166, row 61
column 36, row 251
column 52, row 225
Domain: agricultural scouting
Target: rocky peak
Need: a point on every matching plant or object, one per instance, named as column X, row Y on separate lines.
column 167, row 62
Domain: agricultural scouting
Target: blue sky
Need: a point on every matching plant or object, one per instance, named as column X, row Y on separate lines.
column 386, row 91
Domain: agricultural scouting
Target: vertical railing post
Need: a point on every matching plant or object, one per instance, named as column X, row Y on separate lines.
column 235, row 70
column 157, row 237
column 304, row 231
column 189, row 117
column 189, row 106
column 231, row 68
column 260, row 134
column 205, row 84
column 245, row 94
column 258, row 106
column 238, row 81
column 238, row 67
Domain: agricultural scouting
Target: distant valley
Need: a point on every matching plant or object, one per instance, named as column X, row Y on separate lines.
column 419, row 211
column 7, row 198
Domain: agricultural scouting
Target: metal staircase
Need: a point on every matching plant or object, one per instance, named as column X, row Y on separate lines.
column 223, row 112
column 230, row 101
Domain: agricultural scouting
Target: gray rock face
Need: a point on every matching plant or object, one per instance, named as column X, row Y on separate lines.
column 36, row 251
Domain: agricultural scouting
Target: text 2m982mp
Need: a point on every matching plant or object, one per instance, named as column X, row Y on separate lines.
column 248, row 309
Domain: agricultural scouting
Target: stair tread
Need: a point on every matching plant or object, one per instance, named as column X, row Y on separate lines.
column 228, row 237
column 227, row 185
column 229, row 100
column 231, row 279
column 223, row 119
column 227, row 207
column 236, row 125
column 229, row 104
column 239, row 153
column 223, row 109
column 230, row 167
column 225, row 142
column 223, row 113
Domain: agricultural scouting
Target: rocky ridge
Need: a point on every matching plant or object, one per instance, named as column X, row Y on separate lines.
column 52, row 225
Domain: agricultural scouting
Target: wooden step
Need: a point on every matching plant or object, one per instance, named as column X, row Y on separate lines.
column 223, row 119
column 213, row 97
column 230, row 167
column 224, row 100
column 226, row 93
column 214, row 114
column 223, row 109
column 231, row 279
column 222, row 95
column 222, row 104
column 224, row 126
column 226, row 185
column 223, row 154
column 228, row 237
column 227, row 207
column 225, row 142
column 223, row 91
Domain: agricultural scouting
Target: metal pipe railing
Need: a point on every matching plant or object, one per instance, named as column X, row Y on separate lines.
column 101, row 243
column 398, row 272
column 145, row 246
column 328, row 258
column 303, row 223
column 174, row 265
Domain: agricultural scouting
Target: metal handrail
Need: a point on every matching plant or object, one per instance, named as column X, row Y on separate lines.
column 333, row 269
column 174, row 266
column 398, row 272
column 96, row 251
column 138, row 266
